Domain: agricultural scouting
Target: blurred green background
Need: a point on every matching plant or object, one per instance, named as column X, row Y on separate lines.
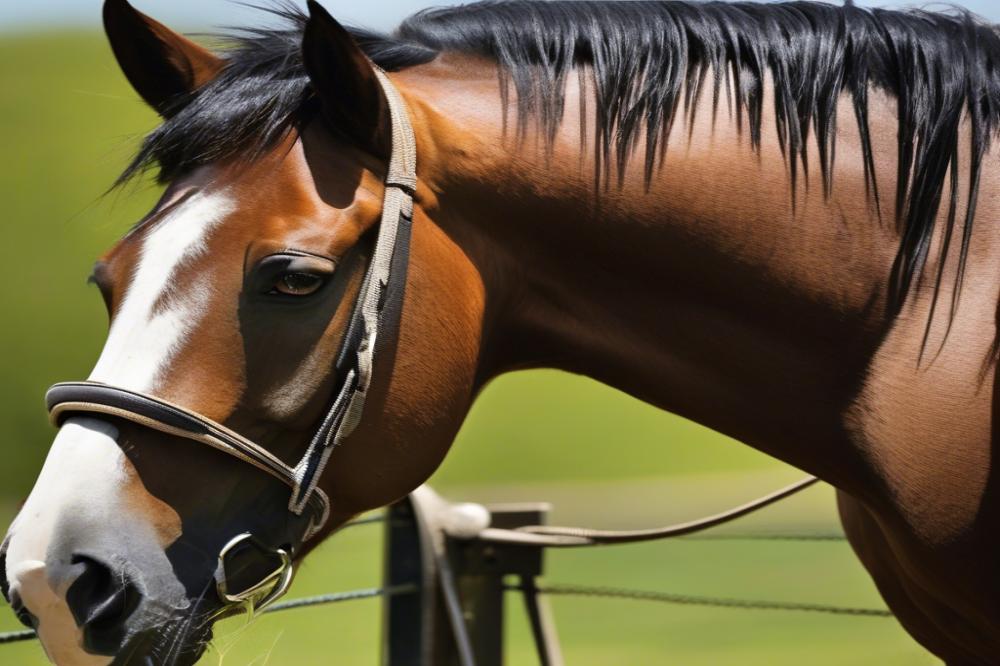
column 68, row 122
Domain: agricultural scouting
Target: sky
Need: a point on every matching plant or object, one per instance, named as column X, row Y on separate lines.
column 30, row 15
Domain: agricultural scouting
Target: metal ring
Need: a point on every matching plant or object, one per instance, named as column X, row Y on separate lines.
column 273, row 586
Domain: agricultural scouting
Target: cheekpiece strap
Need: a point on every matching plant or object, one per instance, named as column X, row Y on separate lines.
column 379, row 304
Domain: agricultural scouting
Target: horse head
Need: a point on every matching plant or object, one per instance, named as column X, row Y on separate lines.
column 231, row 305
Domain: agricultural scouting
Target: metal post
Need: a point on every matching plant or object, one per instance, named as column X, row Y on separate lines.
column 456, row 618
column 403, row 637
column 415, row 630
column 543, row 627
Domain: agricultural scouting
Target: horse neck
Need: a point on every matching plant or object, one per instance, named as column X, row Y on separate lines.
column 708, row 294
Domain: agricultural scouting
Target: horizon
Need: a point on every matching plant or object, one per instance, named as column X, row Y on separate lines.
column 20, row 17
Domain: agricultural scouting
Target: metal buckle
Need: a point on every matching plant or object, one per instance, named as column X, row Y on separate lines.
column 269, row 589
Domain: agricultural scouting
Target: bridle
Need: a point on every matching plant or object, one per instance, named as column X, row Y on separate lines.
column 374, row 325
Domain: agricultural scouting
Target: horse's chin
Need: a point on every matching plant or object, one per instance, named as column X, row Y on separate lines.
column 176, row 643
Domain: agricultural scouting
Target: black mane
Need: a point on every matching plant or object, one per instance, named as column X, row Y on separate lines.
column 646, row 60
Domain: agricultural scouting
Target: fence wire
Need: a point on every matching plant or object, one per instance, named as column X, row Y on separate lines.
column 337, row 597
column 291, row 604
column 691, row 600
column 555, row 589
column 17, row 636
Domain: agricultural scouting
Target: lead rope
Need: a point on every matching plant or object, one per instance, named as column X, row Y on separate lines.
column 576, row 537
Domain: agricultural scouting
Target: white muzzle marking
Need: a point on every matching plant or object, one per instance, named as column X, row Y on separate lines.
column 81, row 500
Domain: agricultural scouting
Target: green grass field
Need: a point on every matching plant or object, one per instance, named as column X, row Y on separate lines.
column 68, row 122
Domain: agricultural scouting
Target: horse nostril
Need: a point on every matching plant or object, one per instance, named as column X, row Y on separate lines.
column 24, row 616
column 4, row 583
column 100, row 601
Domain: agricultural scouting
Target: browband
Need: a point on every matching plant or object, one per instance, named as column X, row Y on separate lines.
column 374, row 324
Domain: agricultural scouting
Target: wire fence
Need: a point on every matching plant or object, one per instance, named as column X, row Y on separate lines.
column 572, row 590
column 558, row 589
column 694, row 600
column 17, row 636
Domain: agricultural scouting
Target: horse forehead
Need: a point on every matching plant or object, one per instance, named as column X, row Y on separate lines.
column 221, row 210
column 293, row 206
column 292, row 193
column 154, row 319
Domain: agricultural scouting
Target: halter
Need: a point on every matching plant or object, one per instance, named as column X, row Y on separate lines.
column 374, row 323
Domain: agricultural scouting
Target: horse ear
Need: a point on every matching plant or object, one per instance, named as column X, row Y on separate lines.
column 344, row 79
column 162, row 66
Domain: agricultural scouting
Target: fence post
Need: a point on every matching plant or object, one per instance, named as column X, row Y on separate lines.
column 411, row 626
column 456, row 617
column 481, row 568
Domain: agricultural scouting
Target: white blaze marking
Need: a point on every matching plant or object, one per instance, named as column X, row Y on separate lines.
column 142, row 341
column 83, row 449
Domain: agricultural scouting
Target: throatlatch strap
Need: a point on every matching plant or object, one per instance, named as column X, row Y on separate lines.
column 384, row 283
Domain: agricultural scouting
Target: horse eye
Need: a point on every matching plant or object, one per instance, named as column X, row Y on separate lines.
column 297, row 284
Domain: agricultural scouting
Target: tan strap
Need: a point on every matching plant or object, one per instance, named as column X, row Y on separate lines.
column 403, row 160
column 575, row 537
column 346, row 411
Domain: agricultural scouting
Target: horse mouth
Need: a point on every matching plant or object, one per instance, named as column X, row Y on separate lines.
column 178, row 643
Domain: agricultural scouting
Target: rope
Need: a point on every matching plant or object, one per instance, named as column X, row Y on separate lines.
column 380, row 518
column 574, row 537
column 689, row 600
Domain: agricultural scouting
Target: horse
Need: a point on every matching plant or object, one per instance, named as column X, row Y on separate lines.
column 772, row 219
